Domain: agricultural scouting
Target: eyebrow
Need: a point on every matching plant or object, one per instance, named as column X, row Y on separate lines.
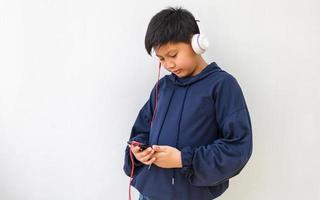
column 167, row 52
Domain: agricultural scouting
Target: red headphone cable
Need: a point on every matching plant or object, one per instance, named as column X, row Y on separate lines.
column 137, row 143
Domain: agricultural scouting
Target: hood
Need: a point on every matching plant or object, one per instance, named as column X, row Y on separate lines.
column 186, row 81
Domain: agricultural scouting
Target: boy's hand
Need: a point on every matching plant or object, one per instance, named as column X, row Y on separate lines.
column 167, row 157
column 143, row 156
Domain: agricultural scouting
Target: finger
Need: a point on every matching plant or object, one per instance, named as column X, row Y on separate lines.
column 135, row 149
column 141, row 154
column 146, row 152
column 149, row 162
column 147, row 157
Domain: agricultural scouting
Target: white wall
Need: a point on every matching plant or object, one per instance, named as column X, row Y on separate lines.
column 74, row 74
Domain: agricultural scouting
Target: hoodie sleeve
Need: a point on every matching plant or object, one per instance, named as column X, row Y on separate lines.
column 219, row 161
column 140, row 132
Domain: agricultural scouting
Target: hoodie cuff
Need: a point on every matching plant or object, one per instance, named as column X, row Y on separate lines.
column 186, row 158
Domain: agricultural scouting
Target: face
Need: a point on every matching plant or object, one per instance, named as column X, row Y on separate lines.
column 178, row 58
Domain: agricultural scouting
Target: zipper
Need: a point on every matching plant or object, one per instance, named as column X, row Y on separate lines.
column 173, row 177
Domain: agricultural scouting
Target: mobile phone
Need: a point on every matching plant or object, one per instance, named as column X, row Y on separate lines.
column 141, row 145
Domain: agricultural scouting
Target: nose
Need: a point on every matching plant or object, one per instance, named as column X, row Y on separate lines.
column 171, row 65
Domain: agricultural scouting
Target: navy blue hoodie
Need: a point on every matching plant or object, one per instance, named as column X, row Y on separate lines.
column 205, row 117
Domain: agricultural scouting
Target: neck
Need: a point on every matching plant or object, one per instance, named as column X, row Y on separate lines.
column 201, row 64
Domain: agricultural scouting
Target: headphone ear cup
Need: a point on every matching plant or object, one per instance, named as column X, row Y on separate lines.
column 199, row 43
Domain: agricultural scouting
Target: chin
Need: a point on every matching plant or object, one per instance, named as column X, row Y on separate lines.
column 182, row 76
column 179, row 75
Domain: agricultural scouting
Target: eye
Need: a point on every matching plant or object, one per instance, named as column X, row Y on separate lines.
column 173, row 56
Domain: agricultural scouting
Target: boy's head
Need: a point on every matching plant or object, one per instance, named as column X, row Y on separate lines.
column 169, row 34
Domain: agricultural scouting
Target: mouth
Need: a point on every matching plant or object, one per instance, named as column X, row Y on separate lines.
column 177, row 71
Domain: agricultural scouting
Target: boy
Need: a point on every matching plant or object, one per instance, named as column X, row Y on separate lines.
column 201, row 134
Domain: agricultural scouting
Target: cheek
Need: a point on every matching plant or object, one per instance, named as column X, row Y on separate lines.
column 185, row 62
column 185, row 59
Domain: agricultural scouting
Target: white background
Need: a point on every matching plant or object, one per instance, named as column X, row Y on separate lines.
column 74, row 74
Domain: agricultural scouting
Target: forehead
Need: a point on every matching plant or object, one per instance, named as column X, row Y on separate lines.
column 166, row 48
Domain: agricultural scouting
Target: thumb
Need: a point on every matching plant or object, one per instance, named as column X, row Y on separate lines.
column 159, row 148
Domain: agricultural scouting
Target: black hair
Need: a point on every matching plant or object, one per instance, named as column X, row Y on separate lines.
column 170, row 25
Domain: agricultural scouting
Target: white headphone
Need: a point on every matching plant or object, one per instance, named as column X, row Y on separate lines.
column 199, row 43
